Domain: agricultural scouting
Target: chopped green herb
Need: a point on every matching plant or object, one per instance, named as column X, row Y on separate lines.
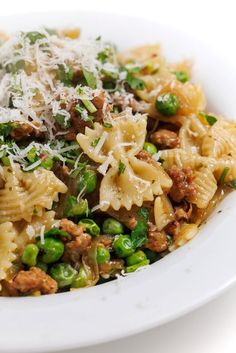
column 95, row 142
column 65, row 74
column 89, row 105
column 62, row 121
column 231, row 184
column 223, row 175
column 5, row 129
column 134, row 82
column 143, row 213
column 209, row 118
column 121, row 167
column 90, row 79
column 139, row 233
column 109, row 85
column 14, row 68
column 98, row 38
column 132, row 68
column 182, row 76
column 51, row 31
column 107, row 125
column 34, row 36
column 79, row 109
column 102, row 56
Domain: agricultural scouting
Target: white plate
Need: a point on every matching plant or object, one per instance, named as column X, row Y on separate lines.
column 183, row 280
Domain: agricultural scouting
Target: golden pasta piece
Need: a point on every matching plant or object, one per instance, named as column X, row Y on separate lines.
column 186, row 233
column 226, row 165
column 28, row 194
column 7, row 248
column 129, row 181
column 184, row 159
column 191, row 134
column 205, row 186
column 219, row 142
column 163, row 212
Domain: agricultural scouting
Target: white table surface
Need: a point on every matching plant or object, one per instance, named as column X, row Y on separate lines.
column 212, row 328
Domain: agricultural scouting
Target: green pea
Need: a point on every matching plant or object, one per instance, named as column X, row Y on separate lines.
column 150, row 148
column 90, row 226
column 30, row 253
column 133, row 268
column 112, row 226
column 34, row 36
column 123, row 246
column 75, row 208
column 81, row 279
column 47, row 163
column 136, row 258
column 103, row 255
column 88, row 181
column 167, row 104
column 52, row 249
column 63, row 274
column 42, row 266
column 182, row 76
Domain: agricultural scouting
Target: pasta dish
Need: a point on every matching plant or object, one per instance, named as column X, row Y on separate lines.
column 108, row 160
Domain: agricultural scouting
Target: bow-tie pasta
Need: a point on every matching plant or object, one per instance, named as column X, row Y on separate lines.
column 26, row 194
column 129, row 181
column 7, row 248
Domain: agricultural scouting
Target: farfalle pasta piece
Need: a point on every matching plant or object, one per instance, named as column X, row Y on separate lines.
column 220, row 140
column 226, row 165
column 139, row 181
column 205, row 186
column 191, row 134
column 126, row 136
column 163, row 212
column 186, row 233
column 7, row 248
column 184, row 159
column 28, row 194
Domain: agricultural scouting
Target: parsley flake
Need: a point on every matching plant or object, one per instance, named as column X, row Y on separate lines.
column 121, row 167
column 95, row 142
column 209, row 118
column 231, row 184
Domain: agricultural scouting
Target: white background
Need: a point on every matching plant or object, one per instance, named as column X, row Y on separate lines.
column 212, row 328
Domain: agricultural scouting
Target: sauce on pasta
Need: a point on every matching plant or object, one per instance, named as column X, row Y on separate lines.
column 108, row 160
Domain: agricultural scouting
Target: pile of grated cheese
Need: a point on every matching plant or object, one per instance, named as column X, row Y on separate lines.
column 30, row 91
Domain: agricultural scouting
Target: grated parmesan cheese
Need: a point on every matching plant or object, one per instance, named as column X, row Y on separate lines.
column 97, row 207
column 42, row 240
column 104, row 166
column 101, row 142
column 30, row 231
